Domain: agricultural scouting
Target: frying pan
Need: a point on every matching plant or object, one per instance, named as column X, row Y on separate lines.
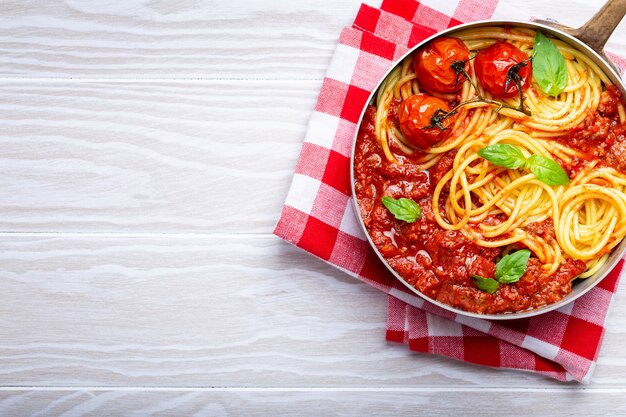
column 588, row 39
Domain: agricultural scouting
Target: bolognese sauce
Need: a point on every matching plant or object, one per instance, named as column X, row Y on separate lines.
column 437, row 262
column 489, row 180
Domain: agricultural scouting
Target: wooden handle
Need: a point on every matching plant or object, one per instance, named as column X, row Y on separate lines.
column 599, row 28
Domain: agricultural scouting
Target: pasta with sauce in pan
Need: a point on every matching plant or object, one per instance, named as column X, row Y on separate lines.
column 490, row 170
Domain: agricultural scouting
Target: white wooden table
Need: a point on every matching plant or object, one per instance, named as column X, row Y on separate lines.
column 146, row 149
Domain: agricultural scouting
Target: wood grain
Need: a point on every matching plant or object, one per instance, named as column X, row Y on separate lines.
column 260, row 39
column 130, row 285
column 296, row 403
column 182, row 39
column 219, row 310
column 163, row 157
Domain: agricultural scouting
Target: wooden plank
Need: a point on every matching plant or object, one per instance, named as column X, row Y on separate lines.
column 263, row 39
column 205, row 39
column 140, row 157
column 215, row 310
column 215, row 403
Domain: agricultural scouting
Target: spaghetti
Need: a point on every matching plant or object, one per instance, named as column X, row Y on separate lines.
column 570, row 228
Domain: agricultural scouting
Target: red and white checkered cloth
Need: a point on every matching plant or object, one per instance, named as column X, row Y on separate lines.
column 319, row 217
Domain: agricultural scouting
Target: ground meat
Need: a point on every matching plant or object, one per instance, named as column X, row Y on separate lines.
column 442, row 167
column 609, row 100
column 616, row 156
column 442, row 263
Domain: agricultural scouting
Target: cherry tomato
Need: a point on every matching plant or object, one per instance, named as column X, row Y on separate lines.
column 432, row 65
column 492, row 65
column 415, row 115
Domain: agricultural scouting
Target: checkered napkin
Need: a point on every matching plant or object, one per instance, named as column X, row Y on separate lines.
column 319, row 217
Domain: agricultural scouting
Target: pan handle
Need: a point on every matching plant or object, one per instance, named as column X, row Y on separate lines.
column 599, row 28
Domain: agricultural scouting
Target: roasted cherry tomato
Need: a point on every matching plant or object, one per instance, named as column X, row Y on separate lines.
column 492, row 66
column 432, row 65
column 416, row 116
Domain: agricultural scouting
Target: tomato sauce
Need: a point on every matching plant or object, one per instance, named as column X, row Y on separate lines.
column 601, row 135
column 438, row 262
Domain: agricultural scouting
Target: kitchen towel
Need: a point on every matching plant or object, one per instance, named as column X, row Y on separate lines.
column 319, row 216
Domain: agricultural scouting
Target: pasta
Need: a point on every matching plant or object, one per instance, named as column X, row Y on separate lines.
column 497, row 207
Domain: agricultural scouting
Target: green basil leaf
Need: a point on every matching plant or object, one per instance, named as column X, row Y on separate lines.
column 512, row 266
column 403, row 208
column 503, row 155
column 547, row 170
column 489, row 285
column 549, row 68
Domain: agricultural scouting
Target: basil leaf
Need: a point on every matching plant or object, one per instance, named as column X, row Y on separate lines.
column 547, row 170
column 489, row 285
column 549, row 68
column 403, row 208
column 512, row 266
column 510, row 269
column 503, row 155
